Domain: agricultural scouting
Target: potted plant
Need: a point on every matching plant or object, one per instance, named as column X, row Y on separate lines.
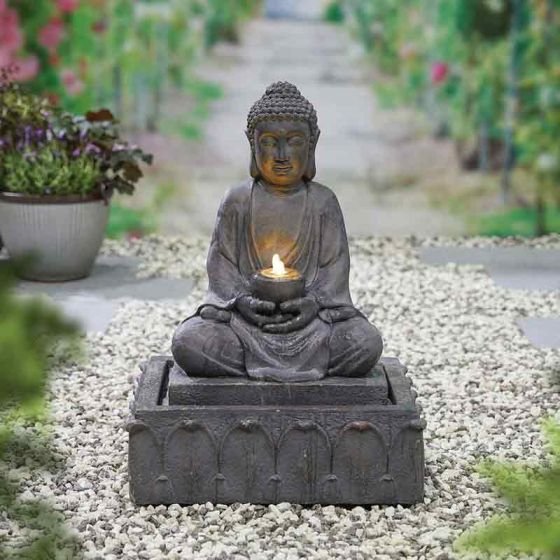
column 57, row 174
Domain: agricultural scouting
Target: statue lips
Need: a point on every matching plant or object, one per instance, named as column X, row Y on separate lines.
column 282, row 169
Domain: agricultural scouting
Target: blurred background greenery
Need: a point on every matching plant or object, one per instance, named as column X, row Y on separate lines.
column 126, row 55
column 485, row 73
column 34, row 337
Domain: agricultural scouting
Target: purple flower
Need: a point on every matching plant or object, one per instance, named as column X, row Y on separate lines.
column 76, row 153
column 92, row 149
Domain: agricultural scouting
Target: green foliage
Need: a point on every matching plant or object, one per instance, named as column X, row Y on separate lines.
column 533, row 496
column 487, row 71
column 50, row 171
column 204, row 91
column 18, row 110
column 223, row 19
column 128, row 221
column 45, row 150
column 190, row 125
column 538, row 128
column 122, row 54
column 34, row 337
column 518, row 221
column 334, row 12
column 139, row 221
column 483, row 18
column 30, row 334
column 97, row 135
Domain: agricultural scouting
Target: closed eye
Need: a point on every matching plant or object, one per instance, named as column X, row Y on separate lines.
column 295, row 141
column 268, row 141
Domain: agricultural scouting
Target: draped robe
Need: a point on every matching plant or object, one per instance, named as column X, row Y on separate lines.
column 306, row 227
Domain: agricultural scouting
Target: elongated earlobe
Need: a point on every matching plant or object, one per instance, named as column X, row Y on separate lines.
column 254, row 169
column 311, row 169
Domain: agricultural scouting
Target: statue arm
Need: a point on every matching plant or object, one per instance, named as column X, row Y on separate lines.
column 331, row 284
column 225, row 282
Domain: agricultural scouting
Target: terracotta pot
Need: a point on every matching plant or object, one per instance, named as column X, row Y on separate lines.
column 53, row 238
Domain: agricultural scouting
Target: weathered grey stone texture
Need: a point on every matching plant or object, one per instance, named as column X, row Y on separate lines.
column 270, row 453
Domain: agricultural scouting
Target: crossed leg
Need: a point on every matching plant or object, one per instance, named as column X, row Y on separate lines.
column 208, row 348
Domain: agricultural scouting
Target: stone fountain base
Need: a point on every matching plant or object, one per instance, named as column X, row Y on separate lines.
column 335, row 441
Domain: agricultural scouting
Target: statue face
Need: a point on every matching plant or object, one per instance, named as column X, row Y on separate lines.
column 282, row 151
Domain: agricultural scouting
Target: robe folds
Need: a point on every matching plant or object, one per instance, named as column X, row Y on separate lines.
column 310, row 237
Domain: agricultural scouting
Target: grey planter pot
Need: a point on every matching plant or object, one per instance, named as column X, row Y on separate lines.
column 54, row 239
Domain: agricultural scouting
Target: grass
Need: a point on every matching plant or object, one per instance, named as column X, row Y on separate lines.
column 517, row 221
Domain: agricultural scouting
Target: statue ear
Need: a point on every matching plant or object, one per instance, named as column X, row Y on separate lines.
column 311, row 169
column 254, row 168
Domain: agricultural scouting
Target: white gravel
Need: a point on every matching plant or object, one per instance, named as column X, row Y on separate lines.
column 483, row 388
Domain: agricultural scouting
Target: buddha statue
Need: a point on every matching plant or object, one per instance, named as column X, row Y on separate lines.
column 279, row 215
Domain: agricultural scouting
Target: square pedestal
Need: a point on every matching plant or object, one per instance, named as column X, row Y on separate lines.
column 334, row 441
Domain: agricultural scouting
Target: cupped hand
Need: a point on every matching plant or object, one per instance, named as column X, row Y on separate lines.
column 214, row 314
column 305, row 310
column 259, row 312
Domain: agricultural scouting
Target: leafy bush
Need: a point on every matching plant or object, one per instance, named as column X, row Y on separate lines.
column 533, row 495
column 50, row 171
column 37, row 138
column 32, row 336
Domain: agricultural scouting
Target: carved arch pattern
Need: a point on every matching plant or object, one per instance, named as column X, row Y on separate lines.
column 246, row 463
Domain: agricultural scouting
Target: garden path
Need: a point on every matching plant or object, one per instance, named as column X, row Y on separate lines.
column 370, row 157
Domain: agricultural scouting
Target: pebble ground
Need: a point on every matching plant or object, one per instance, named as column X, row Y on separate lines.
column 483, row 388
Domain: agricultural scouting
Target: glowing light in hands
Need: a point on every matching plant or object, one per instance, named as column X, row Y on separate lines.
column 278, row 267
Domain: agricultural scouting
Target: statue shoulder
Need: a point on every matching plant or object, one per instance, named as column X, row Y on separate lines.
column 238, row 195
column 323, row 196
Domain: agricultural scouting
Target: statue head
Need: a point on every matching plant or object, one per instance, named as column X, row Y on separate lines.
column 282, row 130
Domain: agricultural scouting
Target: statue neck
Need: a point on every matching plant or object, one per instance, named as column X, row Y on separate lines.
column 282, row 190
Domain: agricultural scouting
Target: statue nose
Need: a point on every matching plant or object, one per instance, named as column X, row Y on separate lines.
column 282, row 153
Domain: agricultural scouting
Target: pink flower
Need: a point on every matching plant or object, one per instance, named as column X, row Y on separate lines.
column 5, row 57
column 26, row 68
column 52, row 34
column 438, row 72
column 67, row 6
column 11, row 38
column 73, row 84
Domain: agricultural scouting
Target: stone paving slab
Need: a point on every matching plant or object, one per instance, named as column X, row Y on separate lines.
column 294, row 9
column 521, row 268
column 543, row 332
column 93, row 301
